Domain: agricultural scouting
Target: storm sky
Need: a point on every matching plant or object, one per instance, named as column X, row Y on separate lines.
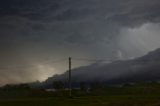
column 35, row 33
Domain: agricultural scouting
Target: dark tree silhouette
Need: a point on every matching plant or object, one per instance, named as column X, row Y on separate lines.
column 58, row 85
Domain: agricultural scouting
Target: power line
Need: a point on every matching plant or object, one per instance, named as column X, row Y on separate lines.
column 131, row 62
column 33, row 65
column 92, row 60
column 56, row 61
column 76, row 59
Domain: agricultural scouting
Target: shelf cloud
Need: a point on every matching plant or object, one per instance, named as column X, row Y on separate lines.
column 33, row 32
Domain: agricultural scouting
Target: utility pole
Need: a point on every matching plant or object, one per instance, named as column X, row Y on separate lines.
column 70, row 83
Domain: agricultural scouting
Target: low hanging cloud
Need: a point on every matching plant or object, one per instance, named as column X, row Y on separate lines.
column 33, row 32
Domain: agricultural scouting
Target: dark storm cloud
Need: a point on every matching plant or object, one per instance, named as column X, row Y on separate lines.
column 82, row 17
column 33, row 31
column 122, row 10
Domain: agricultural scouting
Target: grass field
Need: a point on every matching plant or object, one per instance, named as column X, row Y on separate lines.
column 138, row 95
column 84, row 101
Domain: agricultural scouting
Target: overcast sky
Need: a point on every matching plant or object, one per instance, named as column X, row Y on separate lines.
column 33, row 33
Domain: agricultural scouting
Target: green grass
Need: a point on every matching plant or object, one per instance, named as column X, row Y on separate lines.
column 137, row 95
column 84, row 101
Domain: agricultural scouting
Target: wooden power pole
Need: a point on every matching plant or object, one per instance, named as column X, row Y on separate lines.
column 70, row 83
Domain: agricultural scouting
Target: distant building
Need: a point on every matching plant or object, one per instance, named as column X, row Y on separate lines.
column 50, row 90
